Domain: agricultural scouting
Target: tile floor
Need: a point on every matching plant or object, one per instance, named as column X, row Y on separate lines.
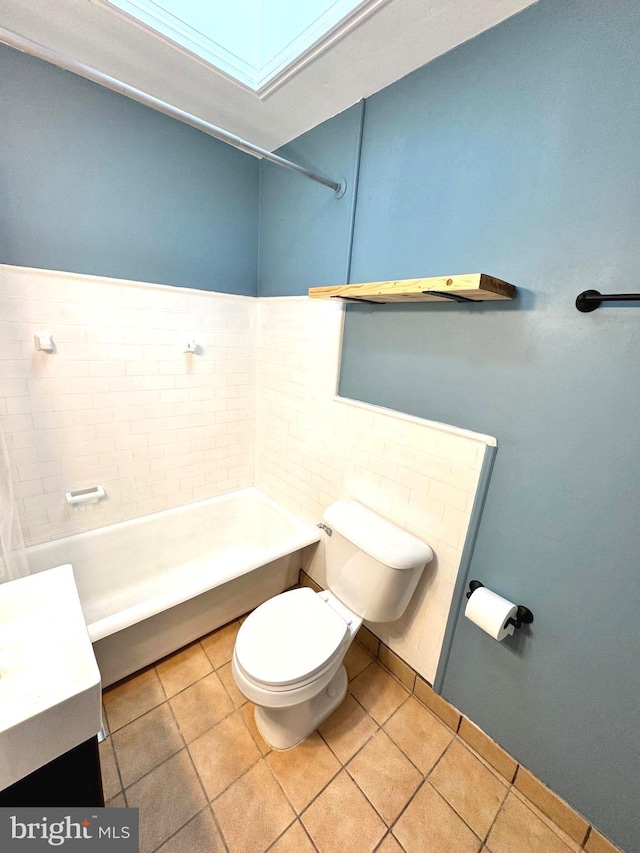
column 382, row 774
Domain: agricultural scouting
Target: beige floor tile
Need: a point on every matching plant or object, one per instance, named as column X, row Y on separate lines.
column 440, row 707
column 146, row 742
column 597, row 843
column 389, row 845
column 419, row 734
column 348, row 728
column 219, row 645
column 201, row 706
column 304, row 770
column 132, row 697
column 294, row 840
column 356, row 659
column 110, row 778
column 397, row 666
column 562, row 835
column 226, row 677
column 167, row 797
column 430, row 825
column 551, row 804
column 492, row 752
column 247, row 711
column 223, row 753
column 116, row 802
column 341, row 818
column 518, row 828
column 474, row 791
column 385, row 775
column 200, row 835
column 378, row 692
column 183, row 669
column 253, row 812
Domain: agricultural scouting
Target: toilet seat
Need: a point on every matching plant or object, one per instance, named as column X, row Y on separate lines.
column 290, row 640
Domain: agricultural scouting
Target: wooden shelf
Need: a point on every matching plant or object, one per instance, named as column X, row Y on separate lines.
column 475, row 287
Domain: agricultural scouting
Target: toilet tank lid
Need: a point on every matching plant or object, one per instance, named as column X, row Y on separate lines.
column 382, row 540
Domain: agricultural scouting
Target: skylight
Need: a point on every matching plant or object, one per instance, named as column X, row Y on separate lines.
column 253, row 41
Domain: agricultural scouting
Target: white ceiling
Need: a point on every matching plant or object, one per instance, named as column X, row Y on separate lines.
column 381, row 42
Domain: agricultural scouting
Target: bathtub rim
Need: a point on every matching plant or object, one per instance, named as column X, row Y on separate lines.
column 176, row 510
column 303, row 534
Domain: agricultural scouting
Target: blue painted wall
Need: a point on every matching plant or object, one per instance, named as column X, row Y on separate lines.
column 518, row 154
column 305, row 230
column 92, row 182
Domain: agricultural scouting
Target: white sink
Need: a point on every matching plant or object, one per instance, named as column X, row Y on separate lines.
column 50, row 697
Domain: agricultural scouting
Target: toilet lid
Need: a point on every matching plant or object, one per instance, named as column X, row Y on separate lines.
column 288, row 638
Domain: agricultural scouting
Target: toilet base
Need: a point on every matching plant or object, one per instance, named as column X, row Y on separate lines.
column 284, row 728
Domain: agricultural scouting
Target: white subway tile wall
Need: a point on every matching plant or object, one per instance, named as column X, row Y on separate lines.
column 119, row 403
column 312, row 449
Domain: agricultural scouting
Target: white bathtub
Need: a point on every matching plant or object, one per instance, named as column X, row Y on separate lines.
column 152, row 585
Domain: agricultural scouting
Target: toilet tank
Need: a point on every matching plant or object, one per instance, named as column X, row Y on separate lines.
column 373, row 566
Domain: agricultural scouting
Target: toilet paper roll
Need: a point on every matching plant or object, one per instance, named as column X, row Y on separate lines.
column 490, row 611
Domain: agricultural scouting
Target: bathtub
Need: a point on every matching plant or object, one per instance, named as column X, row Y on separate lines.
column 152, row 585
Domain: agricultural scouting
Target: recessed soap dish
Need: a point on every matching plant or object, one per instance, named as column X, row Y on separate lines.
column 82, row 497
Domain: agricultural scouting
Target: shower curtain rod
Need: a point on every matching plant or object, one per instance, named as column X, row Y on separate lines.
column 26, row 45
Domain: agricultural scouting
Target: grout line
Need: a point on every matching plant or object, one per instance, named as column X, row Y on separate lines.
column 184, row 825
column 283, row 833
column 509, row 783
column 198, row 777
column 493, row 822
column 115, row 760
column 453, row 809
column 358, row 750
column 286, row 796
column 237, row 779
column 557, row 830
column 384, row 821
column 407, row 804
column 208, row 801
column 439, row 759
column 317, row 794
column 408, row 757
column 164, row 761
column 388, row 834
column 307, row 833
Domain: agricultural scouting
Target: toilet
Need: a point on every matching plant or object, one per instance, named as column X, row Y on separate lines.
column 288, row 654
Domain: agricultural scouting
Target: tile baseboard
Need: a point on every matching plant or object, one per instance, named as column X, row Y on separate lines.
column 570, row 822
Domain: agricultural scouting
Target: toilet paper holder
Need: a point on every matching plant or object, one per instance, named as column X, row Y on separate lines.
column 523, row 617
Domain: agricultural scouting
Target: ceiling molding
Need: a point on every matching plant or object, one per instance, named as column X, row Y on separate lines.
column 325, row 40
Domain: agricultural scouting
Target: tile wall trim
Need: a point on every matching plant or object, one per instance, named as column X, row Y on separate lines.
column 488, row 440
column 122, row 282
column 553, row 807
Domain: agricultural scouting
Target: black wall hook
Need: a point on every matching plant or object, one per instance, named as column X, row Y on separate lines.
column 523, row 616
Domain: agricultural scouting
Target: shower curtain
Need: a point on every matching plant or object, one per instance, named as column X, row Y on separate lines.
column 13, row 559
